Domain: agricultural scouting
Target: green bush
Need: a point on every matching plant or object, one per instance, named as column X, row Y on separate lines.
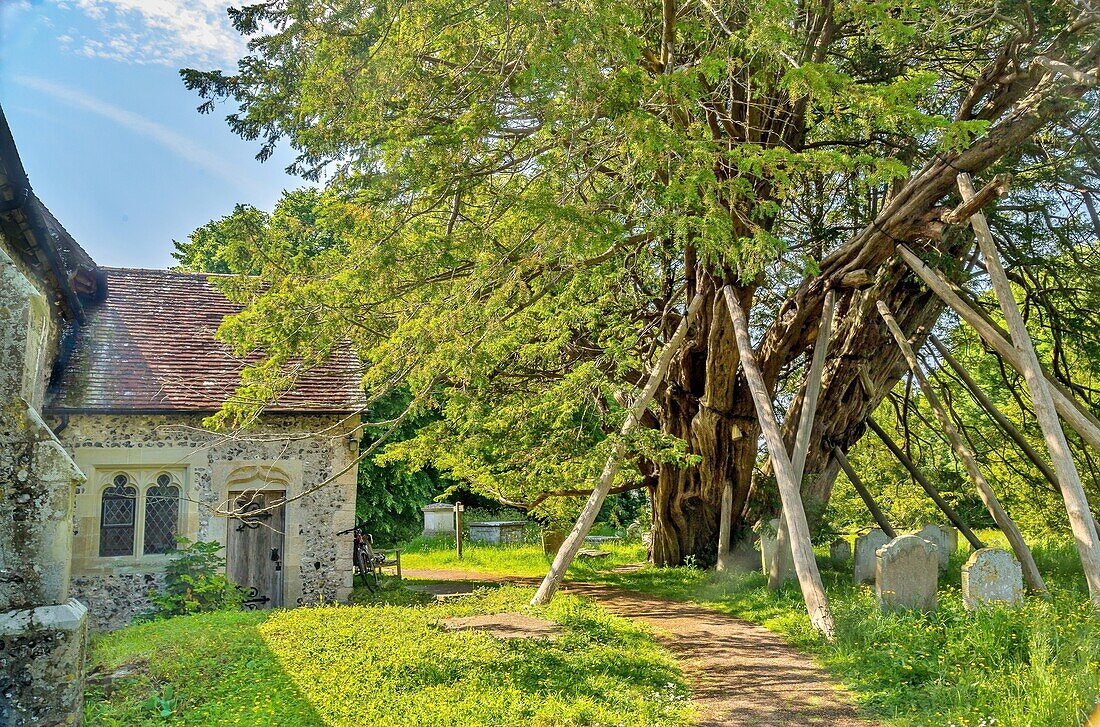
column 195, row 582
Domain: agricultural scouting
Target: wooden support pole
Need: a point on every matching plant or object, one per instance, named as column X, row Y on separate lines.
column 805, row 428
column 575, row 539
column 805, row 566
column 864, row 493
column 724, row 527
column 1032, row 577
column 990, row 408
column 1067, row 407
column 1077, row 506
column 926, row 485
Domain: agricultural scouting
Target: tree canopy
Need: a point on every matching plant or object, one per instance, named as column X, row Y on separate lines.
column 520, row 197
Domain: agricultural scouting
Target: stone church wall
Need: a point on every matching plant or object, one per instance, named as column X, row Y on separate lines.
column 291, row 453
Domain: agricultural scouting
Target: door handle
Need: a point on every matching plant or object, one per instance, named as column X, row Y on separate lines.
column 275, row 554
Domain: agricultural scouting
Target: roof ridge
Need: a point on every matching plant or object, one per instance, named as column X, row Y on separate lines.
column 170, row 271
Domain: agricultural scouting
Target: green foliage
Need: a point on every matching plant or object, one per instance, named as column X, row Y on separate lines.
column 517, row 194
column 392, row 665
column 195, row 582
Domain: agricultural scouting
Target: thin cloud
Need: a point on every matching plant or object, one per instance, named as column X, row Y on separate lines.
column 180, row 145
column 168, row 32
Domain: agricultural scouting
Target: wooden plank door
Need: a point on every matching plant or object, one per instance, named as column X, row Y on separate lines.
column 254, row 552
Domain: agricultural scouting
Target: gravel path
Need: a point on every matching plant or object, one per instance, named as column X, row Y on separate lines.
column 741, row 674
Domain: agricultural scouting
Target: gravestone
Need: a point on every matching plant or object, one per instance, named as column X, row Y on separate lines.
column 866, row 547
column 945, row 539
column 841, row 549
column 498, row 532
column 552, row 541
column 992, row 576
column 906, row 574
column 769, row 551
column 439, row 519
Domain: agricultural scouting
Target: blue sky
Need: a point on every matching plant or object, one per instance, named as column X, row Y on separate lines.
column 108, row 134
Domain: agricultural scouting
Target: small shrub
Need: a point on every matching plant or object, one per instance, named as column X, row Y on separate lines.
column 195, row 582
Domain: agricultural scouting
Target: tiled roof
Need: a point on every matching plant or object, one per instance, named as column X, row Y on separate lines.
column 150, row 346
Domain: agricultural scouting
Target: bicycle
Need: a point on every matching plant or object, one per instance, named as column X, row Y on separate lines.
column 367, row 562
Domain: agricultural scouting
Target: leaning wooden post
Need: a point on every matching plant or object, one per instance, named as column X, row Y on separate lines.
column 805, row 566
column 724, row 527
column 1031, row 572
column 926, row 485
column 991, row 409
column 864, row 493
column 1077, row 506
column 575, row 539
column 805, row 428
column 1066, row 406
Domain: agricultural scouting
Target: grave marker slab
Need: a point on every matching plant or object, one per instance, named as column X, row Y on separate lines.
column 841, row 549
column 906, row 574
column 946, row 540
column 992, row 576
column 866, row 546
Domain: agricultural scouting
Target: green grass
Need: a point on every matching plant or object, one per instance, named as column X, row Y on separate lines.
column 388, row 665
column 525, row 559
column 1038, row 666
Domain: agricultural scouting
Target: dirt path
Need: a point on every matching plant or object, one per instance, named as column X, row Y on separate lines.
column 741, row 674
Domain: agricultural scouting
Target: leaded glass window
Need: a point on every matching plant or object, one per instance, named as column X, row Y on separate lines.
column 118, row 516
column 162, row 507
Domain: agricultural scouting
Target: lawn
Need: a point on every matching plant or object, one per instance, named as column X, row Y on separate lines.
column 1038, row 666
column 526, row 560
column 387, row 665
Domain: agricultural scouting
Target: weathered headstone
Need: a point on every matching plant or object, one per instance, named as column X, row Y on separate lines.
column 769, row 550
column 841, row 549
column 866, row 547
column 946, row 540
column 552, row 541
column 992, row 576
column 906, row 574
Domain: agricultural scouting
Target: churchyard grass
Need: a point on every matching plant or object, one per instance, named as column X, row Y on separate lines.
column 387, row 665
column 1038, row 666
column 524, row 559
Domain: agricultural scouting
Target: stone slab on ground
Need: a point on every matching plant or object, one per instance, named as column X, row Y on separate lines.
column 441, row 591
column 992, row 576
column 512, row 625
column 907, row 574
column 866, row 548
column 592, row 553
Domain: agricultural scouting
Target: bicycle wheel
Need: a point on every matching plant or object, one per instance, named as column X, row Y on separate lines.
column 364, row 565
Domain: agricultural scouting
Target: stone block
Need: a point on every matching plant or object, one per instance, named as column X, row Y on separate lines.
column 992, row 576
column 906, row 574
column 841, row 549
column 439, row 519
column 769, row 551
column 42, row 653
column 498, row 532
column 866, row 547
column 946, row 540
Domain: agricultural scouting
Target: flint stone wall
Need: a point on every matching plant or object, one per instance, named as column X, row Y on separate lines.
column 992, row 576
column 865, row 555
column 317, row 564
column 906, row 574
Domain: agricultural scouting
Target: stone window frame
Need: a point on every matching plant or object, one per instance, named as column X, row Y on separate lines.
column 97, row 462
column 141, row 478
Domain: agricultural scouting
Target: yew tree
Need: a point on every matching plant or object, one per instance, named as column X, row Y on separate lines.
column 521, row 196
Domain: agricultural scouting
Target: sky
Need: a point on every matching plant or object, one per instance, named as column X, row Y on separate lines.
column 109, row 136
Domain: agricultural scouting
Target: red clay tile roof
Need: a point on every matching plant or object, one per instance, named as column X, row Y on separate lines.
column 150, row 347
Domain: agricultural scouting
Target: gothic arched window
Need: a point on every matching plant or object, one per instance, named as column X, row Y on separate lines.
column 118, row 518
column 162, row 509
